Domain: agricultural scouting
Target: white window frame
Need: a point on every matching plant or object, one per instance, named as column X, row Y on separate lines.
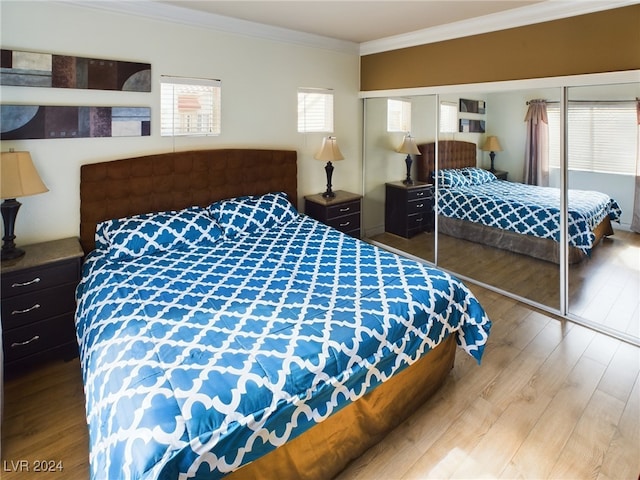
column 204, row 116
column 398, row 115
column 315, row 110
column 602, row 137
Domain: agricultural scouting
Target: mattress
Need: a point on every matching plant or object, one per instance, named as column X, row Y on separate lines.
column 202, row 357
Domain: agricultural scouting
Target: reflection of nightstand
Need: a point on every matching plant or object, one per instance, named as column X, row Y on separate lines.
column 408, row 208
column 38, row 303
column 341, row 212
column 501, row 174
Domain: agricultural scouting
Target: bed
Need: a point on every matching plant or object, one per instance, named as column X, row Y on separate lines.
column 223, row 333
column 474, row 205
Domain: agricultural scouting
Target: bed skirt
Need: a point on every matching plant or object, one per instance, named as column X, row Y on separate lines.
column 327, row 448
column 542, row 248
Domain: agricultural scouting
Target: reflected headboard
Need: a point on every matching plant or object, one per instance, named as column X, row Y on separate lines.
column 451, row 154
column 176, row 180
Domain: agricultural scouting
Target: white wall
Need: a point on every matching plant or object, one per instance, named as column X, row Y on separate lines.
column 259, row 84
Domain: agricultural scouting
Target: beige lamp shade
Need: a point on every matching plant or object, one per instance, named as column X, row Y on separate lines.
column 329, row 151
column 492, row 145
column 409, row 146
column 18, row 176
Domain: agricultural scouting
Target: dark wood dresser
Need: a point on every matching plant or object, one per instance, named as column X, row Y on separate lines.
column 408, row 208
column 38, row 303
column 341, row 212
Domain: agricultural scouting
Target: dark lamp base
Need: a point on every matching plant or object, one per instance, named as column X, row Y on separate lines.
column 329, row 194
column 10, row 254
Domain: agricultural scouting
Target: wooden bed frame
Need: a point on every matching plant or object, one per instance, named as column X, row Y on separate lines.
column 180, row 179
column 459, row 154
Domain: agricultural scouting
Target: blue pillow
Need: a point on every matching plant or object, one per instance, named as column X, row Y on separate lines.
column 148, row 233
column 451, row 178
column 243, row 215
column 478, row 176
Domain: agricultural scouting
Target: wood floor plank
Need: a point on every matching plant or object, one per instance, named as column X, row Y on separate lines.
column 540, row 449
column 584, row 452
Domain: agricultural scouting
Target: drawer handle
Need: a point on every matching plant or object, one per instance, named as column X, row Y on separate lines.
column 26, row 310
column 420, row 205
column 345, row 209
column 26, row 284
column 420, row 194
column 345, row 224
column 26, row 342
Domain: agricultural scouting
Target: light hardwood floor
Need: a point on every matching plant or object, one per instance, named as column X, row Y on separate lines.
column 550, row 400
column 603, row 289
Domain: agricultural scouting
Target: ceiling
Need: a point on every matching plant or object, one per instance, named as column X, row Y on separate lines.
column 355, row 21
column 357, row 26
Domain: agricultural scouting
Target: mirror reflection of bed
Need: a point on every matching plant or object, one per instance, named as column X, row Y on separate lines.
column 525, row 265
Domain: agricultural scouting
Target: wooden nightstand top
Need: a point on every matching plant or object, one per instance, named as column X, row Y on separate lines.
column 43, row 253
column 408, row 187
column 341, row 197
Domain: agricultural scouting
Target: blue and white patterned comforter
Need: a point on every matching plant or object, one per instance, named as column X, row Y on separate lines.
column 200, row 360
column 529, row 209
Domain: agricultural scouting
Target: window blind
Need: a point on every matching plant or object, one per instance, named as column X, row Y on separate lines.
column 189, row 106
column 448, row 117
column 315, row 110
column 601, row 136
column 398, row 115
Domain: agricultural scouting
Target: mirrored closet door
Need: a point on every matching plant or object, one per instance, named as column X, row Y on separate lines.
column 602, row 154
column 397, row 207
column 471, row 127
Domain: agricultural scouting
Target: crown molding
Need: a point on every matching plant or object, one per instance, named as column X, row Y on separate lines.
column 171, row 13
column 516, row 17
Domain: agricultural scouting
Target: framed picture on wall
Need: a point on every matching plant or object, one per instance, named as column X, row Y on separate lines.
column 472, row 106
column 468, row 125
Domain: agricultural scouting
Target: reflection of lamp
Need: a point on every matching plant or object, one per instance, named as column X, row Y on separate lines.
column 329, row 152
column 18, row 178
column 492, row 145
column 410, row 148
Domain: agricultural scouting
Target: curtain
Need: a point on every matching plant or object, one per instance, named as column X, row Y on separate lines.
column 536, row 162
column 635, row 222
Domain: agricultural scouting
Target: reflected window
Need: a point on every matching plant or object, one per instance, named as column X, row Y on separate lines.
column 448, row 117
column 398, row 115
column 602, row 136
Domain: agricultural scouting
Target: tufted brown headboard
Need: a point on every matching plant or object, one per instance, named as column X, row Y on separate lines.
column 451, row 154
column 178, row 180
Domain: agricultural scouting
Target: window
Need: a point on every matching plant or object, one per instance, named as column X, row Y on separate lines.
column 315, row 110
column 602, row 136
column 189, row 106
column 448, row 117
column 398, row 115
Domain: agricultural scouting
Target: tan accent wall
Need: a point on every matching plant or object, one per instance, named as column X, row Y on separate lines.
column 595, row 43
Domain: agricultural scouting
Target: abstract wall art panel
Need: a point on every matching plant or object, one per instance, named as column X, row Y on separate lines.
column 27, row 122
column 31, row 69
column 472, row 106
column 471, row 126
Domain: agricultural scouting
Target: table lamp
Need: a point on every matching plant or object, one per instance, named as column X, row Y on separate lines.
column 18, row 178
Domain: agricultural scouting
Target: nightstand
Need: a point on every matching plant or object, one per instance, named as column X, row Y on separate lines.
column 501, row 174
column 408, row 209
column 38, row 303
column 341, row 212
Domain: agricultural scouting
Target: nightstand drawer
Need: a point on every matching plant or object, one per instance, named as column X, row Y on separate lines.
column 418, row 194
column 417, row 222
column 37, row 337
column 32, row 307
column 343, row 209
column 345, row 223
column 34, row 279
column 419, row 206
